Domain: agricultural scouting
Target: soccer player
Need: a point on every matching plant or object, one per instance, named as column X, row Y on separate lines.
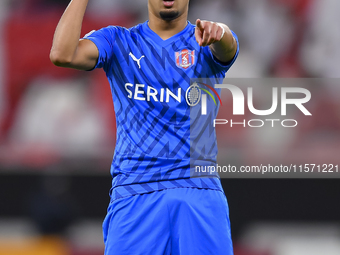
column 158, row 204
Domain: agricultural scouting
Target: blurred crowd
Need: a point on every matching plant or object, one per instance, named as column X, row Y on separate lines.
column 65, row 113
column 289, row 38
column 51, row 116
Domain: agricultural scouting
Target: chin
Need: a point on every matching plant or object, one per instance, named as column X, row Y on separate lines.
column 169, row 15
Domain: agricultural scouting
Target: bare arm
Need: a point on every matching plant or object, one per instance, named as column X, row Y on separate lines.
column 67, row 50
column 219, row 38
column 225, row 49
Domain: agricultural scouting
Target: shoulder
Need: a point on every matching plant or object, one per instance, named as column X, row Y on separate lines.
column 136, row 29
column 123, row 31
column 191, row 27
column 116, row 29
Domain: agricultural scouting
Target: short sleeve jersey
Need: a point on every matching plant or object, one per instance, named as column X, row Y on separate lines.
column 151, row 85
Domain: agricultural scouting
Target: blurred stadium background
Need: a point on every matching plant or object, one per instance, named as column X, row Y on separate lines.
column 57, row 129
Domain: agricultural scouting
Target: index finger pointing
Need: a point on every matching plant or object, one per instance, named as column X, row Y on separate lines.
column 199, row 24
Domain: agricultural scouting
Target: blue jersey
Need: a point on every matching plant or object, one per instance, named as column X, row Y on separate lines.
column 161, row 133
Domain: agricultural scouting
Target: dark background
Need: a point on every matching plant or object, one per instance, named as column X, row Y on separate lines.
column 250, row 200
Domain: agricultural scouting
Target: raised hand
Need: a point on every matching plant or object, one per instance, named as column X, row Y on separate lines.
column 208, row 32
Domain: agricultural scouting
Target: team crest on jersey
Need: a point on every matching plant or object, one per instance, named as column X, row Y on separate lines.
column 185, row 58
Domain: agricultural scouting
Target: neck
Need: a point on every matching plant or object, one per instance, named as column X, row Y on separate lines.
column 166, row 29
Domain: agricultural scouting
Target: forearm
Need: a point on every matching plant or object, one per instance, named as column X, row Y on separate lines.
column 67, row 34
column 225, row 49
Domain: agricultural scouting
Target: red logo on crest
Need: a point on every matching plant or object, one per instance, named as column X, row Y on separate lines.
column 185, row 58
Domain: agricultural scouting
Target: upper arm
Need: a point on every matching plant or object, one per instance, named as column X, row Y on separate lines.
column 93, row 51
column 103, row 40
column 85, row 57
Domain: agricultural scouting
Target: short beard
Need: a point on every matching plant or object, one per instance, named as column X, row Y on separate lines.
column 169, row 15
